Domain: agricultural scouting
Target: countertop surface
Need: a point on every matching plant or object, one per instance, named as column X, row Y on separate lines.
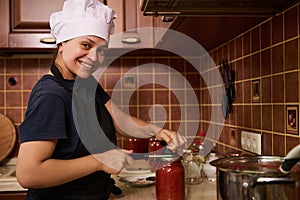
column 205, row 190
column 8, row 180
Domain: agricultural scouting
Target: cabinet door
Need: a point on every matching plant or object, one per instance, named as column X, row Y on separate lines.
column 25, row 22
column 32, row 15
column 129, row 15
column 30, row 22
column 4, row 23
column 117, row 6
column 129, row 20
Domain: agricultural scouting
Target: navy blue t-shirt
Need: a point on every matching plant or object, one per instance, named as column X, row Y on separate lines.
column 49, row 116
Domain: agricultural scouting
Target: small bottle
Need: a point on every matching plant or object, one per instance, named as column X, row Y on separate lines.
column 201, row 146
column 170, row 183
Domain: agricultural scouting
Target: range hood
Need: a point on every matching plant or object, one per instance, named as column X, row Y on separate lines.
column 214, row 7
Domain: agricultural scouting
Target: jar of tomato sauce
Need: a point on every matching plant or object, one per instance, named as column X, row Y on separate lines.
column 138, row 145
column 154, row 147
column 170, row 179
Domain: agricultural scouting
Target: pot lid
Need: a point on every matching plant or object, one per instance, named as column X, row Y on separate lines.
column 255, row 165
column 7, row 136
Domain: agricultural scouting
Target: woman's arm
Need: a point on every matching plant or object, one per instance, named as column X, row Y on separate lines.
column 127, row 125
column 36, row 169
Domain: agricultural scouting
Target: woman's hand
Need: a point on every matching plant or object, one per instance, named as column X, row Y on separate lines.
column 113, row 161
column 172, row 138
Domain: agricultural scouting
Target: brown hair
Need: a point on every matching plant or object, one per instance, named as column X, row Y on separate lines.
column 55, row 53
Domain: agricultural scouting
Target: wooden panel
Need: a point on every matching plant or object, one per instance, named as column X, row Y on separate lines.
column 4, row 16
column 30, row 22
column 117, row 6
column 33, row 15
column 29, row 40
column 131, row 14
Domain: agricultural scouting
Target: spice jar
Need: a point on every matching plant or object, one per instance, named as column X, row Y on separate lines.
column 170, row 179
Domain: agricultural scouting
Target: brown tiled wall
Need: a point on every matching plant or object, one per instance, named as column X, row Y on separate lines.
column 268, row 52
column 158, row 98
column 26, row 70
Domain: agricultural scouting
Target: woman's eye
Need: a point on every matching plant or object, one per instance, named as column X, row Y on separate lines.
column 86, row 45
column 101, row 50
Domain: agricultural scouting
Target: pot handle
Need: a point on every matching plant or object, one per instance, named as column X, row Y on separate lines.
column 271, row 180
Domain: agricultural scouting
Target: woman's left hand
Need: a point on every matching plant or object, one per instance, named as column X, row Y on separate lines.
column 172, row 138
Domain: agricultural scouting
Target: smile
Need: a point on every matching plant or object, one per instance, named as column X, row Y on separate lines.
column 86, row 66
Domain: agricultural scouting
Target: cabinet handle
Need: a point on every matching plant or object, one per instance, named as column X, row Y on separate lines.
column 48, row 40
column 131, row 40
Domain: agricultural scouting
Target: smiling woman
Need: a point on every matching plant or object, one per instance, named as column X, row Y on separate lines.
column 68, row 136
column 80, row 56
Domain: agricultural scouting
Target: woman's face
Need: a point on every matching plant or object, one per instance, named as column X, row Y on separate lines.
column 81, row 56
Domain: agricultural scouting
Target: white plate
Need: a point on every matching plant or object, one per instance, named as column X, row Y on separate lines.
column 136, row 171
column 138, row 165
column 137, row 181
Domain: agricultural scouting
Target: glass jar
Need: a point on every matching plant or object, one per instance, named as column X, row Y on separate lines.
column 170, row 180
column 154, row 147
column 138, row 145
column 193, row 167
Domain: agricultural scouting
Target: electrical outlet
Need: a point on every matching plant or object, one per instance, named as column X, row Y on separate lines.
column 255, row 142
column 251, row 142
column 243, row 140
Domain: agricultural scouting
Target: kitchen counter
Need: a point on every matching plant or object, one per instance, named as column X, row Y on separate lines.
column 205, row 190
column 8, row 180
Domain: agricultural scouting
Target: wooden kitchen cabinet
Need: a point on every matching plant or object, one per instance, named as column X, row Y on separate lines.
column 129, row 24
column 32, row 15
column 25, row 22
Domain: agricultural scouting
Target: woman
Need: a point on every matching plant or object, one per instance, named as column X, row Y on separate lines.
column 54, row 161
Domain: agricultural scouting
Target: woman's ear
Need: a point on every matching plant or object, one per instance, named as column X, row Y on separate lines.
column 60, row 48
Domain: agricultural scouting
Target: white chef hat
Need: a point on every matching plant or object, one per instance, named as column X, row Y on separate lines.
column 82, row 17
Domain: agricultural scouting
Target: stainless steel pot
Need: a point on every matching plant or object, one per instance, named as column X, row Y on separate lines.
column 256, row 178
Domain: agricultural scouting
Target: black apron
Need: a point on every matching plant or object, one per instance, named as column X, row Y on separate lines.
column 96, row 186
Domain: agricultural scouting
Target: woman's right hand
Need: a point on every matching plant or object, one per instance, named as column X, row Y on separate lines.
column 113, row 161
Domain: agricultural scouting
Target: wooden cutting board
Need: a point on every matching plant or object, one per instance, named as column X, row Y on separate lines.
column 7, row 136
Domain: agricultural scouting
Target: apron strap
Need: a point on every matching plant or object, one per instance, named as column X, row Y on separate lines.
column 111, row 187
column 60, row 78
